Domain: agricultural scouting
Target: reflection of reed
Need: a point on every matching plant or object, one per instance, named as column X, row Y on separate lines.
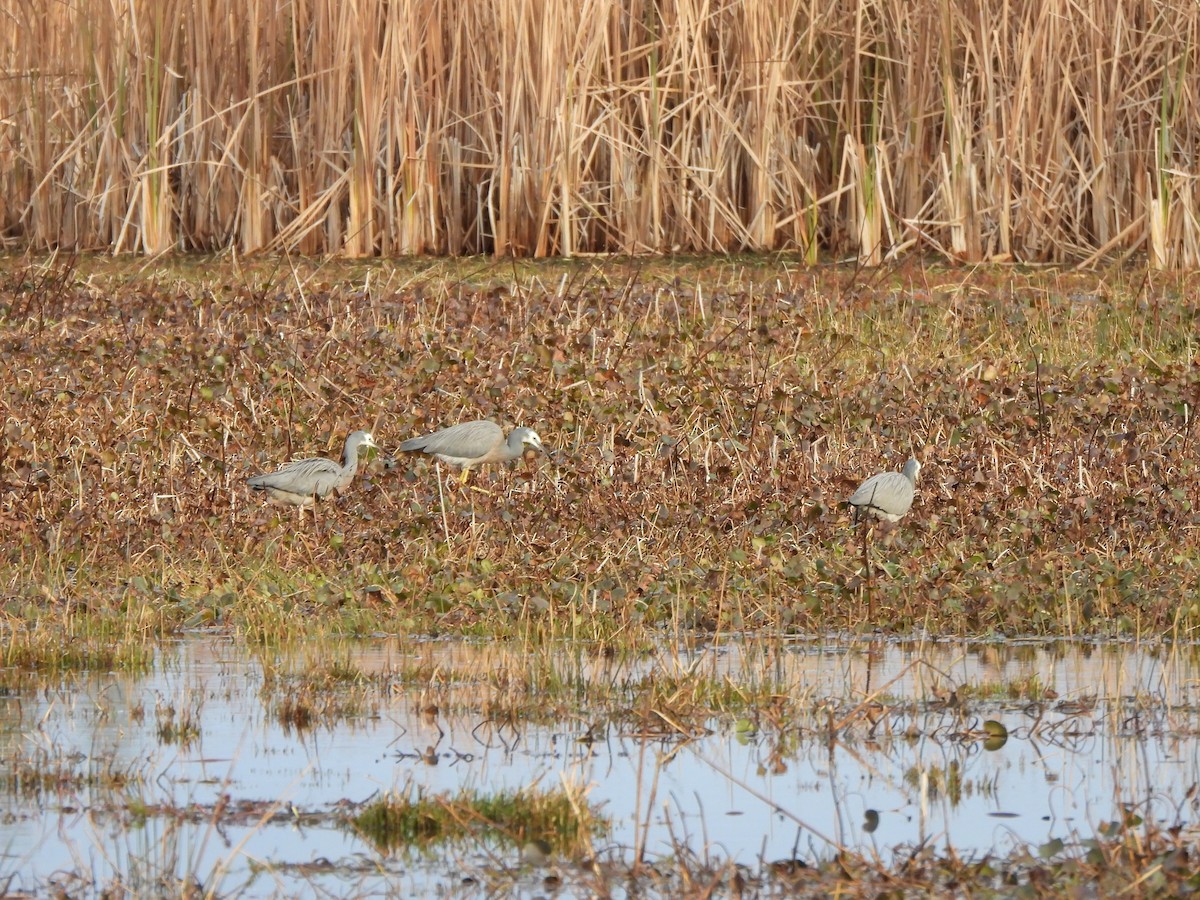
column 788, row 751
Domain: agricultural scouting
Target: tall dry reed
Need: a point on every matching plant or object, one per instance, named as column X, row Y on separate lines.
column 1038, row 130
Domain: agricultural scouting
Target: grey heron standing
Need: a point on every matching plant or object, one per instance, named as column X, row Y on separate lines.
column 302, row 482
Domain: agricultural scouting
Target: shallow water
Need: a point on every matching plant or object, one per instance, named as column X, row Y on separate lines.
column 1113, row 725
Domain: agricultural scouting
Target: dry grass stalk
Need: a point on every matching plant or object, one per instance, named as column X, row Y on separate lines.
column 1033, row 131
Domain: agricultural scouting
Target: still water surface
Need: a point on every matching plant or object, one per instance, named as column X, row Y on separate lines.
column 1094, row 730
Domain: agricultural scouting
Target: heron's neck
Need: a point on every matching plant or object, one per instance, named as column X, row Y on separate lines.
column 514, row 448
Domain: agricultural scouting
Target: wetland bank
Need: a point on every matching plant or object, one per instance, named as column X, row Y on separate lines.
column 623, row 625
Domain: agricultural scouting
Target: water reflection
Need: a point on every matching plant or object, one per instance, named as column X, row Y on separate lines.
column 202, row 769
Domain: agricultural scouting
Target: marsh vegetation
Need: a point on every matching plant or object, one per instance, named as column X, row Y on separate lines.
column 641, row 591
column 1025, row 131
column 704, row 425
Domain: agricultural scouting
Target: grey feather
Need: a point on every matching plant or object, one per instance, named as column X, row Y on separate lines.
column 303, row 481
column 888, row 495
column 467, row 440
column 474, row 443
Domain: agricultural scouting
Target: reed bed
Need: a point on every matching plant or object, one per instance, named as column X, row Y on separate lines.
column 1032, row 131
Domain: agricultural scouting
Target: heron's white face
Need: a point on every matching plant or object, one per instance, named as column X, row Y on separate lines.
column 532, row 440
column 368, row 440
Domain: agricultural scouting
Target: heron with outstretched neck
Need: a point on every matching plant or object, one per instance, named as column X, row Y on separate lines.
column 471, row 444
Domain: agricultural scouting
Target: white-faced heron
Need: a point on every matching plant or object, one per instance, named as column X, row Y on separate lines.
column 304, row 481
column 888, row 495
column 471, row 444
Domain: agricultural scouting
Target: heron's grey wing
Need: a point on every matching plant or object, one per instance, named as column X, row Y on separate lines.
column 862, row 493
column 302, row 476
column 891, row 492
column 469, row 440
